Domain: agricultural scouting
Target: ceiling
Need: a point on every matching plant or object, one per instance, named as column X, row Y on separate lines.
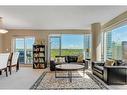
column 57, row 17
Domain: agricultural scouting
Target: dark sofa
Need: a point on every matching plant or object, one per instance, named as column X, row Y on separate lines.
column 116, row 74
column 68, row 59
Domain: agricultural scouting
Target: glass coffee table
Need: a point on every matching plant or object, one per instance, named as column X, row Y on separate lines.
column 69, row 67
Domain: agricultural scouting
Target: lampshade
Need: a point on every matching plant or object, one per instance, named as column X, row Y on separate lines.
column 2, row 29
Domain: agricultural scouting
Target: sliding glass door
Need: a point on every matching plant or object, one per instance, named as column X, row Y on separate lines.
column 29, row 49
column 20, row 47
column 24, row 46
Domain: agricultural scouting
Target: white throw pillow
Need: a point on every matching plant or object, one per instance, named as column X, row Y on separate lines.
column 60, row 60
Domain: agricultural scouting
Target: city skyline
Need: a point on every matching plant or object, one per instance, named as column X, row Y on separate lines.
column 114, row 41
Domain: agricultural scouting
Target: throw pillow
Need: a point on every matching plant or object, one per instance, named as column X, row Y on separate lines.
column 72, row 59
column 120, row 63
column 60, row 60
column 109, row 62
column 63, row 59
column 80, row 58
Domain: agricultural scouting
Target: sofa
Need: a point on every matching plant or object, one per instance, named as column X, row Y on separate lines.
column 116, row 74
column 69, row 60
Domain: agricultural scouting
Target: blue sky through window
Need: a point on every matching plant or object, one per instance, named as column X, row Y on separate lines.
column 72, row 41
column 20, row 43
column 68, row 41
column 119, row 34
column 55, row 42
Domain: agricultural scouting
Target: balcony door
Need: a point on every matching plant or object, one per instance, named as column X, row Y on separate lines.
column 24, row 45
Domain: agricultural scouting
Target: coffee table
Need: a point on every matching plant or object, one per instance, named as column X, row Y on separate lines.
column 69, row 68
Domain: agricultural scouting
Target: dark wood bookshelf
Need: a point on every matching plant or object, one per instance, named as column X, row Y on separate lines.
column 39, row 61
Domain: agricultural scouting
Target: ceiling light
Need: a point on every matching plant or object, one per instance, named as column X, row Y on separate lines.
column 2, row 29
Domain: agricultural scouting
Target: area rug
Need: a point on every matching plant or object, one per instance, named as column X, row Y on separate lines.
column 47, row 81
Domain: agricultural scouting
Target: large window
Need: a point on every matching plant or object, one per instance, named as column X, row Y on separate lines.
column 87, row 45
column 116, row 43
column 24, row 45
column 70, row 44
column 55, row 46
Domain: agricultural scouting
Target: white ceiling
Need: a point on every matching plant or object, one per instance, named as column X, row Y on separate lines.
column 57, row 17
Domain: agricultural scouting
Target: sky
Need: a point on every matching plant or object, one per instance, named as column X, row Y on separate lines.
column 72, row 41
column 119, row 34
column 20, row 43
column 68, row 41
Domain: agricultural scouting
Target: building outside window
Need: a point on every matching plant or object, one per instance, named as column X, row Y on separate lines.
column 116, row 43
column 109, row 45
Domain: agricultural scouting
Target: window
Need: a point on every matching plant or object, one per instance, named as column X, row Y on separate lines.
column 55, row 46
column 116, row 43
column 24, row 45
column 87, row 45
column 70, row 44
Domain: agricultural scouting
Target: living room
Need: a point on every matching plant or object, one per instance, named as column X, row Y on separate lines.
column 85, row 38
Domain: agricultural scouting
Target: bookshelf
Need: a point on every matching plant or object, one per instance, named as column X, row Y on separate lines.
column 39, row 57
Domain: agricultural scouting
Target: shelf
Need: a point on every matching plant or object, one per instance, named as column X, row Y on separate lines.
column 38, row 66
column 39, row 63
column 39, row 57
column 39, row 51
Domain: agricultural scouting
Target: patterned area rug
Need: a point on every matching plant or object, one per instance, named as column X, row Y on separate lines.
column 47, row 81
